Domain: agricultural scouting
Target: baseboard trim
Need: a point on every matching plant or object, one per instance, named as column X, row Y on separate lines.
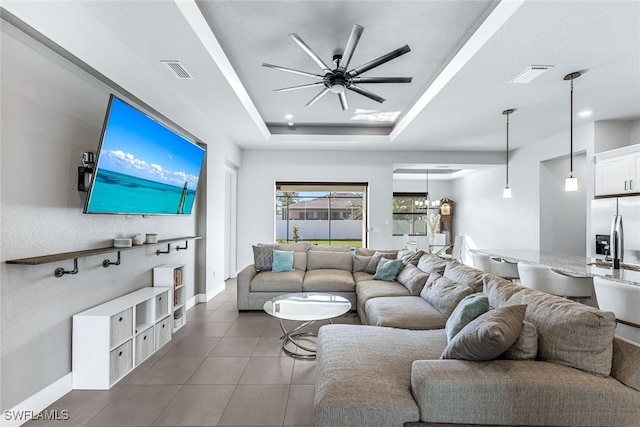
column 202, row 297
column 34, row 405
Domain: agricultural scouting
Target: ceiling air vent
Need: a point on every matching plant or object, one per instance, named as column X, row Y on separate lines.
column 530, row 73
column 177, row 69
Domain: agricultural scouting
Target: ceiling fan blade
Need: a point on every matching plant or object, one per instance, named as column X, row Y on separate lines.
column 310, row 52
column 379, row 61
column 291, row 70
column 354, row 38
column 343, row 101
column 285, row 89
column 365, row 92
column 318, row 96
column 382, row 79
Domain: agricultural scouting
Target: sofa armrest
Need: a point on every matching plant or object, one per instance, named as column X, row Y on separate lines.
column 243, row 283
column 519, row 393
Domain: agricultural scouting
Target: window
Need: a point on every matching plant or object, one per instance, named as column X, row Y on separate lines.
column 410, row 214
column 321, row 213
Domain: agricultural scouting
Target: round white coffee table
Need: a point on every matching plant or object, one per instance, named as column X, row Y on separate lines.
column 306, row 307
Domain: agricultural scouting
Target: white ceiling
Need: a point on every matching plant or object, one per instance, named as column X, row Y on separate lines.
column 463, row 55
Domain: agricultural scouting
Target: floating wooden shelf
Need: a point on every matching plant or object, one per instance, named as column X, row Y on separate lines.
column 45, row 259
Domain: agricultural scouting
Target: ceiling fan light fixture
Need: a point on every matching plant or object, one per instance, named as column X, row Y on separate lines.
column 337, row 88
column 338, row 80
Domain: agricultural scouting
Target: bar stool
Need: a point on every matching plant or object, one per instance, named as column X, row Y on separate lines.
column 496, row 266
column 555, row 282
column 620, row 298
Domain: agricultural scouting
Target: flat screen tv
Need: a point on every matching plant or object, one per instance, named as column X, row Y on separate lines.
column 142, row 167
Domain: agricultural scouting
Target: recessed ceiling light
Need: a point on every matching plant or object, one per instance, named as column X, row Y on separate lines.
column 288, row 116
column 585, row 113
column 530, row 73
column 290, row 123
column 376, row 116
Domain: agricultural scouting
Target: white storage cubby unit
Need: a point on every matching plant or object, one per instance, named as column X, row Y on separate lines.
column 618, row 171
column 111, row 339
column 173, row 277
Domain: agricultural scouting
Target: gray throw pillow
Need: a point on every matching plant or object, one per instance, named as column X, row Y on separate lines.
column 467, row 310
column 412, row 278
column 444, row 294
column 375, row 259
column 262, row 258
column 488, row 336
column 526, row 346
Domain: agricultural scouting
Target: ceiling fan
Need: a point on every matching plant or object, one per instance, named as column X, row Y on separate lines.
column 338, row 79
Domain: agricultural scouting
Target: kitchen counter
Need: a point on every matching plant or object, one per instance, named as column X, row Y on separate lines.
column 571, row 264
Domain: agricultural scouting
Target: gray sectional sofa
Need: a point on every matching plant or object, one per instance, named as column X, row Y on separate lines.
column 568, row 369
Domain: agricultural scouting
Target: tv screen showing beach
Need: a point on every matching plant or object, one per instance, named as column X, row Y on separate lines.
column 143, row 167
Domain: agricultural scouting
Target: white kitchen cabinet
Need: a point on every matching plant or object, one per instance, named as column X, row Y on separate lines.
column 173, row 276
column 618, row 172
column 111, row 339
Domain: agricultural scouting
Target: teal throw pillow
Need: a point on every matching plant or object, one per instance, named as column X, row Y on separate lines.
column 282, row 261
column 388, row 269
column 467, row 310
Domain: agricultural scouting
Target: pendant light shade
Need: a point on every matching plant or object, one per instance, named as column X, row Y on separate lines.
column 571, row 183
column 506, row 191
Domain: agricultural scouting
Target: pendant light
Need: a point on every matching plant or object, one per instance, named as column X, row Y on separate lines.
column 427, row 200
column 571, row 183
column 506, row 192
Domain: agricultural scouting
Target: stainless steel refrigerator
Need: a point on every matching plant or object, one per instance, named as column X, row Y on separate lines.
column 615, row 228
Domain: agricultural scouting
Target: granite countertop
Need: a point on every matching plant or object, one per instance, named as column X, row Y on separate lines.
column 571, row 264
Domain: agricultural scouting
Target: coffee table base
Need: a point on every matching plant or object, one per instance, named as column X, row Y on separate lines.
column 293, row 338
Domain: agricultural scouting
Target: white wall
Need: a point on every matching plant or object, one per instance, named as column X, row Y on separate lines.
column 52, row 112
column 491, row 222
column 261, row 169
column 563, row 217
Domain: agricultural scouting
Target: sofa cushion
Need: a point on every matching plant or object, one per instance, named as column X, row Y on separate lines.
column 262, row 258
column 526, row 345
column 498, row 290
column 360, row 262
column 569, row 333
column 317, row 260
column 361, row 276
column 410, row 312
column 518, row 393
column 626, row 368
column 268, row 281
column 300, row 260
column 375, row 260
column 329, row 248
column 282, row 261
column 412, row 278
column 371, row 252
column 367, row 289
column 444, row 294
column 487, row 336
column 295, row 247
column 328, row 280
column 363, row 380
column 467, row 310
column 387, row 269
column 464, row 275
column 430, row 263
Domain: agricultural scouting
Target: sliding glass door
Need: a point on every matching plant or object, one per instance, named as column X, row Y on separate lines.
column 321, row 213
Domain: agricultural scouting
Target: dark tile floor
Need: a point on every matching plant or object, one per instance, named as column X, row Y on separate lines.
column 223, row 368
